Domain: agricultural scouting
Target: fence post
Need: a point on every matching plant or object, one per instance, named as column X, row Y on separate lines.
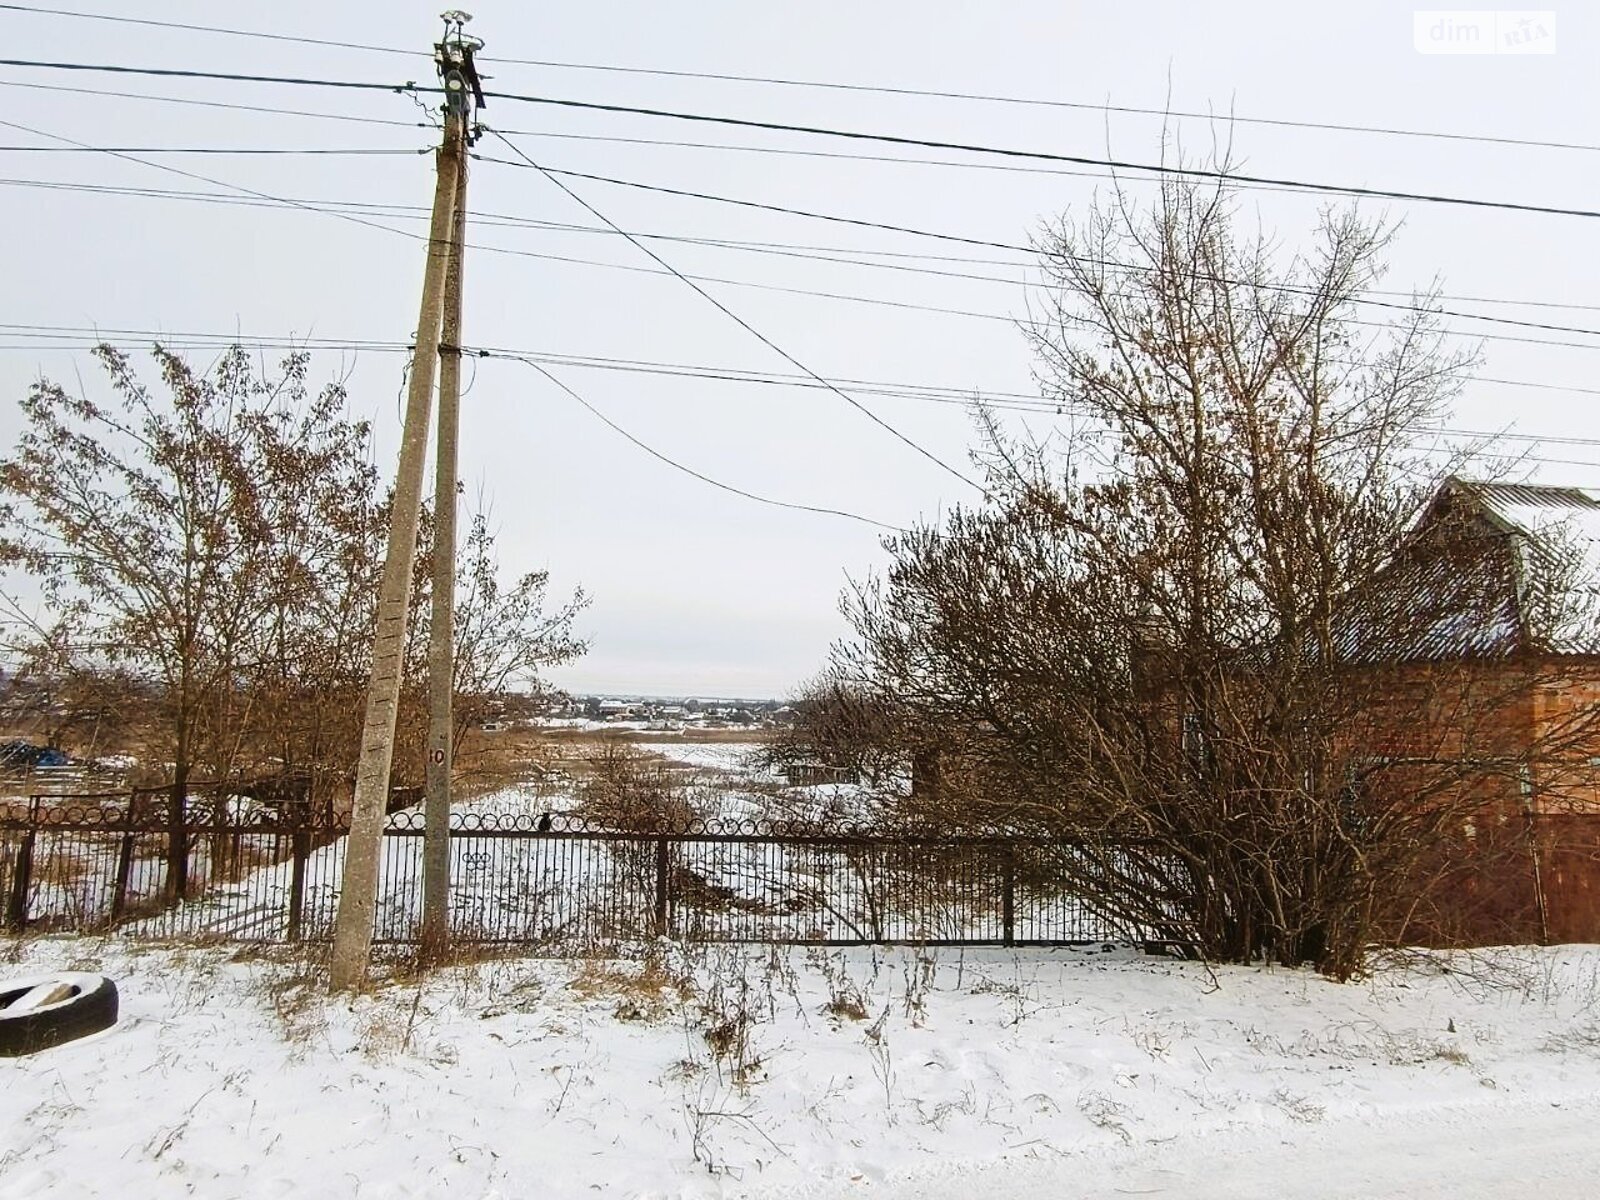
column 663, row 913
column 236, row 820
column 21, row 881
column 119, row 894
column 1531, row 832
column 1008, row 894
column 300, row 848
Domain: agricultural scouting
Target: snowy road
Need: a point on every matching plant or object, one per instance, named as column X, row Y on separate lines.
column 866, row 1074
column 1488, row 1152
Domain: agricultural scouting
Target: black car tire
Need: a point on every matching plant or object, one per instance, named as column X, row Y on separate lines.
column 42, row 1011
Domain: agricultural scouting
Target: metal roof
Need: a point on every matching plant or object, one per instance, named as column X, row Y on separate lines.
column 1553, row 535
column 1569, row 516
column 1490, row 570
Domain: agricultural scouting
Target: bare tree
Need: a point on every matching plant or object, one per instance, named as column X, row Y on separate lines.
column 505, row 639
column 177, row 535
column 839, row 723
column 1193, row 637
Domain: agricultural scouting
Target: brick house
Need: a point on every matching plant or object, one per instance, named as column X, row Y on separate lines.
column 1510, row 574
column 1513, row 572
column 1489, row 608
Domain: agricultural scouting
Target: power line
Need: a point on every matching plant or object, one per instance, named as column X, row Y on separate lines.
column 938, row 393
column 376, row 225
column 1464, row 316
column 688, row 470
column 530, row 361
column 633, row 269
column 1039, row 102
column 1041, row 408
column 249, row 33
column 1221, row 176
column 782, row 247
column 1161, row 169
column 756, row 285
column 675, row 143
column 1085, row 106
column 608, row 139
column 225, row 150
column 740, row 321
column 759, row 149
column 649, row 141
column 877, row 301
column 265, row 200
column 822, row 253
column 88, row 334
column 227, row 76
column 171, row 170
column 80, row 147
column 905, row 229
column 195, row 102
column 826, row 85
column 826, row 254
column 915, row 391
column 1543, row 387
column 932, row 393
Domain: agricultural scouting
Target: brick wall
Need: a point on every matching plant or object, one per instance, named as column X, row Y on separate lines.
column 1524, row 866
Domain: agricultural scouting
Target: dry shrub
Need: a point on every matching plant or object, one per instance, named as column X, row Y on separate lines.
column 629, row 790
column 14, row 947
column 1239, row 644
column 845, row 998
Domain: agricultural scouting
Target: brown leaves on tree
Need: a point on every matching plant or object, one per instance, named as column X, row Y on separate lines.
column 214, row 544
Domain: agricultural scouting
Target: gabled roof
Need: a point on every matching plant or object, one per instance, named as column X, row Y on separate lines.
column 1541, row 513
column 1514, row 568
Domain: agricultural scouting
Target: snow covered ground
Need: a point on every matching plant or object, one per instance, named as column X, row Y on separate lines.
column 748, row 1072
column 734, row 758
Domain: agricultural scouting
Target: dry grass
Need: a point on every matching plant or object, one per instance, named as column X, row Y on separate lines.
column 626, row 789
column 295, row 986
column 14, row 946
column 847, row 1006
column 409, row 966
column 230, row 863
column 558, row 737
column 647, row 992
column 489, row 762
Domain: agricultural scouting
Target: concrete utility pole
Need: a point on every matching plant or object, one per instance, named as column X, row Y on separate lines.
column 352, row 937
column 441, row 629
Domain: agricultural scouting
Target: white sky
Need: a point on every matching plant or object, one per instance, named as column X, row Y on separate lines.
column 696, row 590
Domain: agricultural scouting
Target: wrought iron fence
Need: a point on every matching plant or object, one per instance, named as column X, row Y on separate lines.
column 549, row 880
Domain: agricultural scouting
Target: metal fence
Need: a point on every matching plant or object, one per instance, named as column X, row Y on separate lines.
column 547, row 881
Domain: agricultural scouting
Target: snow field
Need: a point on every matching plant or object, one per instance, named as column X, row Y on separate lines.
column 751, row 1072
column 734, row 758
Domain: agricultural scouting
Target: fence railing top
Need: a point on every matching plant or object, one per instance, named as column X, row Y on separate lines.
column 142, row 812
column 119, row 817
column 775, row 828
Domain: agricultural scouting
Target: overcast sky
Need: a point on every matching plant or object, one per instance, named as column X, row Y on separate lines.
column 696, row 590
